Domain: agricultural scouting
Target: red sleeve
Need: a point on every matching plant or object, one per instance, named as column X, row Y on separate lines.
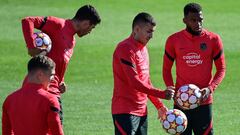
column 156, row 101
column 54, row 121
column 63, row 80
column 168, row 60
column 126, row 58
column 54, row 85
column 28, row 25
column 6, row 125
column 219, row 61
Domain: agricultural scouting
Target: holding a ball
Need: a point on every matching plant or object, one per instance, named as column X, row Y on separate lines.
column 194, row 51
column 42, row 42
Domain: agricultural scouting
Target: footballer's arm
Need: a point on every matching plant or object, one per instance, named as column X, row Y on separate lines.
column 54, row 120
column 6, row 125
column 35, row 51
column 168, row 60
column 219, row 62
column 129, row 68
column 28, row 25
column 161, row 108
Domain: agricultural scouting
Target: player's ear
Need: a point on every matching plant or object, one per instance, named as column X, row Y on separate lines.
column 136, row 29
column 38, row 75
column 86, row 23
column 184, row 20
column 42, row 75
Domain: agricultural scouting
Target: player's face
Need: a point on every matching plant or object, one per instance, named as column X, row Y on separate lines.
column 144, row 32
column 194, row 22
column 84, row 28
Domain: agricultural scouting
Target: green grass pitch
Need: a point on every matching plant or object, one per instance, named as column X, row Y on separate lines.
column 87, row 103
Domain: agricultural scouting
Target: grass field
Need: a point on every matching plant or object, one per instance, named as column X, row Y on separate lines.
column 87, row 103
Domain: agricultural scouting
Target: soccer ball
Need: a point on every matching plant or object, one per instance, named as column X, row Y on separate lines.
column 174, row 122
column 188, row 96
column 42, row 41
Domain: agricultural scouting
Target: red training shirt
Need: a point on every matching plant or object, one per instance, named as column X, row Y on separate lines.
column 61, row 32
column 194, row 57
column 31, row 110
column 132, row 85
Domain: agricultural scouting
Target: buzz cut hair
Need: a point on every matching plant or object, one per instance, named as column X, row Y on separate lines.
column 88, row 12
column 40, row 62
column 192, row 7
column 143, row 17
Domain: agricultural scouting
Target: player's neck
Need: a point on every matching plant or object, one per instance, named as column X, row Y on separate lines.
column 33, row 79
column 74, row 23
column 136, row 38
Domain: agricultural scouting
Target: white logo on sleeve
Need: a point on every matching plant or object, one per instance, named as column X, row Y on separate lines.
column 192, row 59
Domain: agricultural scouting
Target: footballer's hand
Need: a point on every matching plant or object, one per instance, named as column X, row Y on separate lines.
column 161, row 112
column 62, row 87
column 169, row 92
column 36, row 51
column 205, row 93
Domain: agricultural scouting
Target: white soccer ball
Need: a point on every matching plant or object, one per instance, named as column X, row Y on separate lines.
column 42, row 41
column 174, row 122
column 188, row 97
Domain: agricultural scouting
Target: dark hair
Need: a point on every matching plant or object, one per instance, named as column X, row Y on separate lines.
column 88, row 12
column 40, row 62
column 192, row 7
column 143, row 18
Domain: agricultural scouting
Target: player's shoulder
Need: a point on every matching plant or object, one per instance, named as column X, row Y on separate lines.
column 211, row 35
column 15, row 93
column 124, row 47
column 13, row 96
column 54, row 18
column 59, row 22
column 47, row 98
column 176, row 35
column 52, row 98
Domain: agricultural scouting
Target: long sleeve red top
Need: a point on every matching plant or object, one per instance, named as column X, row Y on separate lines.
column 132, row 85
column 61, row 32
column 31, row 110
column 194, row 57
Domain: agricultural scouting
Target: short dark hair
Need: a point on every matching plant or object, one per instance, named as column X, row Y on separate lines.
column 192, row 7
column 143, row 18
column 88, row 12
column 40, row 62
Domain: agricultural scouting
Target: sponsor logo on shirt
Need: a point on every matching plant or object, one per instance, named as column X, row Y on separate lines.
column 192, row 59
column 203, row 46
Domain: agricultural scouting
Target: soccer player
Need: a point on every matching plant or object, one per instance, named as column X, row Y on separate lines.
column 62, row 33
column 31, row 110
column 132, row 85
column 195, row 49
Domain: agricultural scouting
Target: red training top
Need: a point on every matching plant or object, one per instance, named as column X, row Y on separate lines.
column 31, row 110
column 194, row 56
column 61, row 33
column 132, row 83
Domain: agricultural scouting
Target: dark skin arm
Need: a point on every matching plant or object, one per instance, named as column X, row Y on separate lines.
column 35, row 51
column 63, row 87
